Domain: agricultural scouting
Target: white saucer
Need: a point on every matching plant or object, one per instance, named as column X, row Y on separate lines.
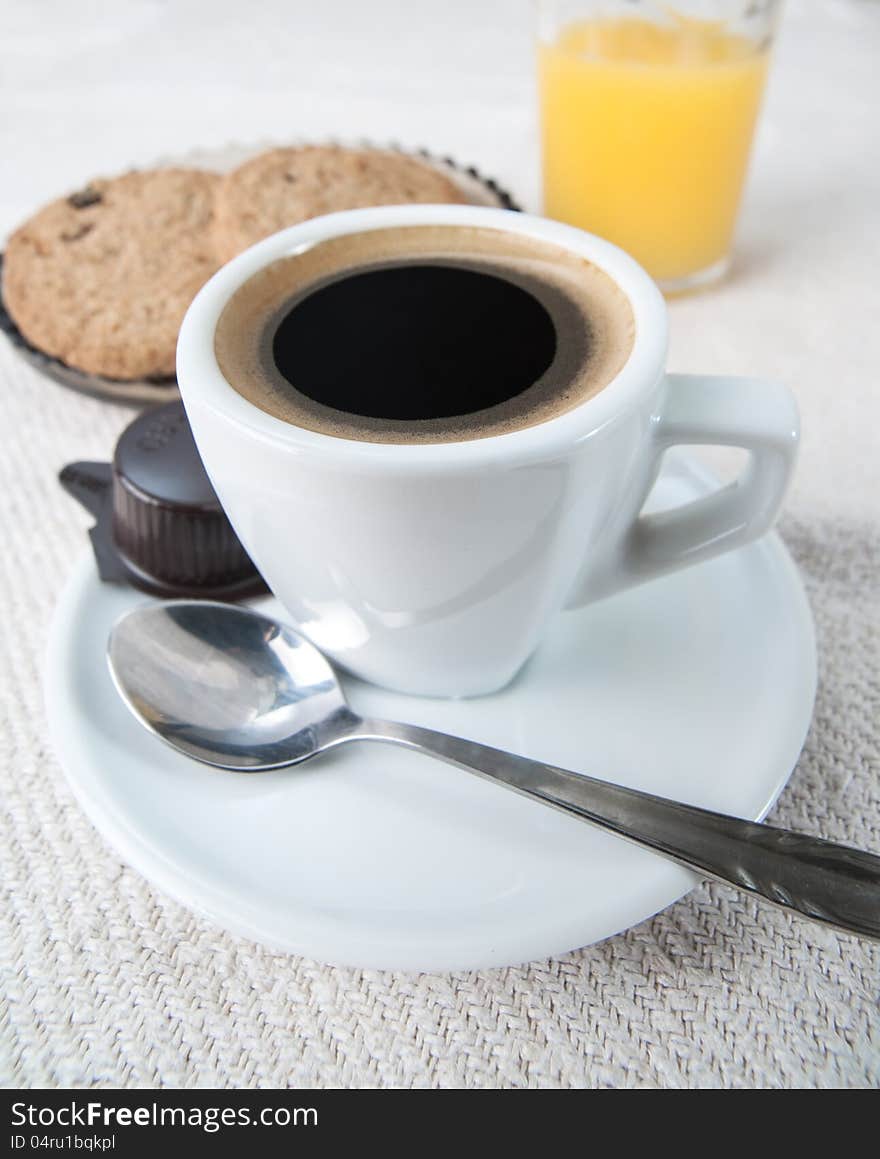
column 699, row 687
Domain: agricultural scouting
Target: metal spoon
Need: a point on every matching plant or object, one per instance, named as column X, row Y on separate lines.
column 240, row 691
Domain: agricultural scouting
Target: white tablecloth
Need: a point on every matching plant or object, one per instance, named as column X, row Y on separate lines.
column 106, row 982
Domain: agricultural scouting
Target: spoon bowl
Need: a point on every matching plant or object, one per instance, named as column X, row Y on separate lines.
column 226, row 686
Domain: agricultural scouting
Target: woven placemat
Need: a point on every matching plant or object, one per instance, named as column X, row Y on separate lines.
column 107, row 983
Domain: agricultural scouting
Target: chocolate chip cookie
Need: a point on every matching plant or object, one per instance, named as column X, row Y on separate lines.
column 284, row 186
column 101, row 279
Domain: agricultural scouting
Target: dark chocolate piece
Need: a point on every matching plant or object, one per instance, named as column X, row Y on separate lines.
column 159, row 524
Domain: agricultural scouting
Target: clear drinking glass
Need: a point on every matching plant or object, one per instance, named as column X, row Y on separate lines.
column 648, row 110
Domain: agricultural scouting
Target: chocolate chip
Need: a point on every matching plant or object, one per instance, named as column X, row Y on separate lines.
column 81, row 231
column 85, row 197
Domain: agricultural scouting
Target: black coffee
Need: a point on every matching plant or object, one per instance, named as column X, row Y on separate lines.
column 424, row 334
column 415, row 342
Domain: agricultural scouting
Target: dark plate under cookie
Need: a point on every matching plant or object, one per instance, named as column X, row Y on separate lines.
column 153, row 391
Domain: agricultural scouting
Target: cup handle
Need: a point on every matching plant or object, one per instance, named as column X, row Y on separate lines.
column 761, row 417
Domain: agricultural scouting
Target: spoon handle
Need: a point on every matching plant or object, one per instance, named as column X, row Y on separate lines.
column 829, row 883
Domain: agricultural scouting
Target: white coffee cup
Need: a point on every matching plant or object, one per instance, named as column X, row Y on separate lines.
column 434, row 569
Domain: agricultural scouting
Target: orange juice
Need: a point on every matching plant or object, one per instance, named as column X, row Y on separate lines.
column 646, row 136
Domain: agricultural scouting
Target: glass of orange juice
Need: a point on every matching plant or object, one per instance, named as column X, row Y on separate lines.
column 648, row 110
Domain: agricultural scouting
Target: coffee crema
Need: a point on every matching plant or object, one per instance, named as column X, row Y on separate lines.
column 424, row 334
